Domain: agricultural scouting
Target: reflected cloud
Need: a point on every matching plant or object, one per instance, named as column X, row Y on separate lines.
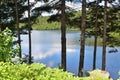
column 41, row 55
column 69, row 50
column 44, row 46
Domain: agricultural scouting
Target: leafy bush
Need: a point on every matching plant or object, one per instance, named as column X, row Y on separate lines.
column 36, row 71
column 6, row 45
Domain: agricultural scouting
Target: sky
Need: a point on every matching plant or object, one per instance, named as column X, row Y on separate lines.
column 75, row 5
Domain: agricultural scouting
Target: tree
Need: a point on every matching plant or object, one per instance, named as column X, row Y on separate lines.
column 82, row 40
column 29, row 30
column 93, row 25
column 95, row 37
column 112, row 21
column 18, row 29
column 63, row 35
column 113, row 25
column 8, row 12
column 104, row 36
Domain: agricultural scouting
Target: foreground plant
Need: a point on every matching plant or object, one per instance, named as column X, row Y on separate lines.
column 36, row 71
column 7, row 47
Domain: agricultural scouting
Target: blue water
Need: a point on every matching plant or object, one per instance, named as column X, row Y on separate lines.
column 46, row 48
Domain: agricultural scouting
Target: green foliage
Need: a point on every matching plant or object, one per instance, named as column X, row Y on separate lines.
column 42, row 24
column 119, row 75
column 7, row 13
column 7, row 47
column 35, row 71
column 53, row 22
column 113, row 19
column 114, row 39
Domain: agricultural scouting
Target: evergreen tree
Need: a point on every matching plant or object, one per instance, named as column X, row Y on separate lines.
column 29, row 29
column 63, row 34
column 18, row 29
column 104, row 36
column 82, row 39
column 8, row 12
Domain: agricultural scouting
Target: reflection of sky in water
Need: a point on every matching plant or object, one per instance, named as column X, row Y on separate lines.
column 46, row 48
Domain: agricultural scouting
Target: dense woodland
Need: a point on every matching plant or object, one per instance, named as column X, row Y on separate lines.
column 93, row 20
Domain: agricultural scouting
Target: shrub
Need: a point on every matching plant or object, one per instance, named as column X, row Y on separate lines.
column 7, row 47
column 35, row 71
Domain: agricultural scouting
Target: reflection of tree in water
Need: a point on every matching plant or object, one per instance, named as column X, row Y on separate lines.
column 90, row 41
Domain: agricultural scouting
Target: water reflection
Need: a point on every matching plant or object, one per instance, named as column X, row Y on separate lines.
column 46, row 48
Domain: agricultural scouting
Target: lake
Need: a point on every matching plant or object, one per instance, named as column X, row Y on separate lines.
column 46, row 48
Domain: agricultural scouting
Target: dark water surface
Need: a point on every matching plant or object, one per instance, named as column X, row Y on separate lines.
column 46, row 48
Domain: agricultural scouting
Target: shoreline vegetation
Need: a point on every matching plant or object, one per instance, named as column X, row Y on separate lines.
column 53, row 23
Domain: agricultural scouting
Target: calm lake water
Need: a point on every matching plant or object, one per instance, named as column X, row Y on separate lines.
column 46, row 48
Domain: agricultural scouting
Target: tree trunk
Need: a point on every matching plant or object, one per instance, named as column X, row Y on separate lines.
column 63, row 35
column 18, row 29
column 29, row 32
column 104, row 36
column 95, row 49
column 95, row 41
column 82, row 40
column 0, row 27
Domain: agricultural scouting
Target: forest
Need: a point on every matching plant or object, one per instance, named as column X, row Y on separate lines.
column 98, row 18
